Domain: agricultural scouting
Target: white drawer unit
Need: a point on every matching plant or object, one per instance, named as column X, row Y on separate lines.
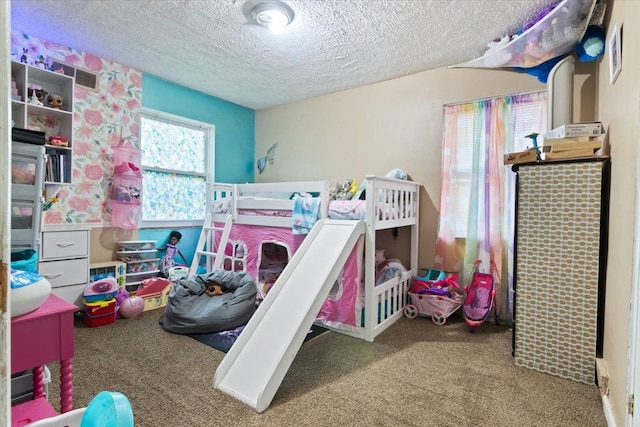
column 64, row 261
column 65, row 244
column 66, row 272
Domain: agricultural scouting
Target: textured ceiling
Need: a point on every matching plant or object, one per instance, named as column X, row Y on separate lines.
column 332, row 45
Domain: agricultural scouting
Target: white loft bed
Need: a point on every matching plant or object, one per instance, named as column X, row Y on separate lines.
column 390, row 203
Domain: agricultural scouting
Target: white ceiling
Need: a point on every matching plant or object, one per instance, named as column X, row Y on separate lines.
column 212, row 46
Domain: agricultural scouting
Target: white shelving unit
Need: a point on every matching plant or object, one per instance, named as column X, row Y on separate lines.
column 28, row 116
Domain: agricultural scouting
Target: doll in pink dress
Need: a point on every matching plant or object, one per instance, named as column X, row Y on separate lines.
column 167, row 260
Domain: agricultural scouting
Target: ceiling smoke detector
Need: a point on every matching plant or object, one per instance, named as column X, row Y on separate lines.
column 274, row 15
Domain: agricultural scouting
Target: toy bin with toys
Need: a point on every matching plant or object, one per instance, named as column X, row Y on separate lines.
column 127, row 187
column 99, row 313
column 434, row 295
column 136, row 245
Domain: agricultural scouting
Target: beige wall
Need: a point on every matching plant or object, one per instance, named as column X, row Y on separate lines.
column 373, row 129
column 619, row 110
column 398, row 123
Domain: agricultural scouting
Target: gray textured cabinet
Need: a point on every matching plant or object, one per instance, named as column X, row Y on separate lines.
column 560, row 266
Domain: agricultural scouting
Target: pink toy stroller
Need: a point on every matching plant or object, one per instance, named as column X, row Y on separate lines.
column 480, row 297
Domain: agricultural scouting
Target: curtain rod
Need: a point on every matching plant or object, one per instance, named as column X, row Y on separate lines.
column 451, row 104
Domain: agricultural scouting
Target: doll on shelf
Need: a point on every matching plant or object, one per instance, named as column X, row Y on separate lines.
column 167, row 260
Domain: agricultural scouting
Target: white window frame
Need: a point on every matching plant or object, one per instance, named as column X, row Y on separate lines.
column 209, row 130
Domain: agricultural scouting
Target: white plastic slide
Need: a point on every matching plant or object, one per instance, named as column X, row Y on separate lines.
column 254, row 367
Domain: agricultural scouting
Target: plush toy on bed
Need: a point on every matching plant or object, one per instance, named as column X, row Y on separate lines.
column 346, row 190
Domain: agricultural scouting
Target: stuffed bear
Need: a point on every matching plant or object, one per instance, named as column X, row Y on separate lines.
column 346, row 190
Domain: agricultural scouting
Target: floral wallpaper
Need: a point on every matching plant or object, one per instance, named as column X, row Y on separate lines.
column 100, row 119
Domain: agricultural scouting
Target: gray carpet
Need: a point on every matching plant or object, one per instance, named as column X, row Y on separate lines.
column 414, row 374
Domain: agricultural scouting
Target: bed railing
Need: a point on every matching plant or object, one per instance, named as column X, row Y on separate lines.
column 248, row 197
column 395, row 203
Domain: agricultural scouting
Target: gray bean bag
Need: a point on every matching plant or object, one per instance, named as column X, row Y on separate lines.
column 191, row 311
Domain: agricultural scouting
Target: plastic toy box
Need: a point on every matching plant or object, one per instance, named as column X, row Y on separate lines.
column 143, row 266
column 128, row 256
column 99, row 313
column 136, row 245
column 115, row 269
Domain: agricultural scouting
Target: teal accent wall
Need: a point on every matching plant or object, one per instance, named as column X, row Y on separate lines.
column 234, row 143
column 235, row 125
column 187, row 244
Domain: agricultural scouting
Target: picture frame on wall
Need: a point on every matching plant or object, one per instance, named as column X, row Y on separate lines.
column 615, row 53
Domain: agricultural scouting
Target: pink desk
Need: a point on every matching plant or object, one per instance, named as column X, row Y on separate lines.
column 37, row 338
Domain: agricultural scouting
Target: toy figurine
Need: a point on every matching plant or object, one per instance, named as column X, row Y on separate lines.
column 167, row 260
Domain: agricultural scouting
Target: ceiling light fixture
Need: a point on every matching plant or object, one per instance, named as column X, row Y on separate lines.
column 274, row 15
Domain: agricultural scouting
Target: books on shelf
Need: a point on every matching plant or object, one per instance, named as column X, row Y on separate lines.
column 58, row 167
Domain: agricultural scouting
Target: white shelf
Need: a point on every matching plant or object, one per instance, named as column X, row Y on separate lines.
column 25, row 114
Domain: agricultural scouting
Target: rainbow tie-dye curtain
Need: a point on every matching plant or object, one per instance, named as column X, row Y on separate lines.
column 476, row 135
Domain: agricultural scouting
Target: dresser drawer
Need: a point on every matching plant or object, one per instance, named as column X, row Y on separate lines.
column 64, row 244
column 65, row 272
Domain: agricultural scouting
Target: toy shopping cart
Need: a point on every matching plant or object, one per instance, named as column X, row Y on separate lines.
column 437, row 301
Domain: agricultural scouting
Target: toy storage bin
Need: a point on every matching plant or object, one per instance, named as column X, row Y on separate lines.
column 132, row 287
column 126, row 159
column 99, row 313
column 139, row 277
column 142, row 266
column 26, row 260
column 125, row 215
column 129, row 256
column 136, row 245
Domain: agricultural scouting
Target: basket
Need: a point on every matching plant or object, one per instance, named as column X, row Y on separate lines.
column 26, row 260
column 439, row 307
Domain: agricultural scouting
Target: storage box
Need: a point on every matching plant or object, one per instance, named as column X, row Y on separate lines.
column 143, row 275
column 154, row 292
column 527, row 156
column 99, row 313
column 575, row 129
column 127, row 256
column 115, row 269
column 143, row 266
column 136, row 245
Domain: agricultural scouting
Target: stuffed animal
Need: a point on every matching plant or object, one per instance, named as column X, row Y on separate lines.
column 495, row 56
column 346, row 190
column 55, row 101
column 591, row 47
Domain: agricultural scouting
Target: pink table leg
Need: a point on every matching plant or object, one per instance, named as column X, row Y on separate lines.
column 38, row 379
column 66, row 379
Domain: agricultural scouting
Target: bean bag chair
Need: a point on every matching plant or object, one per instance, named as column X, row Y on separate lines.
column 191, row 311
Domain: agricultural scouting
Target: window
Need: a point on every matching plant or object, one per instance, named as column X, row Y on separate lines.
column 177, row 163
column 527, row 115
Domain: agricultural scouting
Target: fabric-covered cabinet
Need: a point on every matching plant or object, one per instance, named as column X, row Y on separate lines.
column 560, row 266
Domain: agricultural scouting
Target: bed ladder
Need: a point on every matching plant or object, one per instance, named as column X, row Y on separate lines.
column 208, row 239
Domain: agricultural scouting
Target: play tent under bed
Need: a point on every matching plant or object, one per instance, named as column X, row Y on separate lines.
column 269, row 222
